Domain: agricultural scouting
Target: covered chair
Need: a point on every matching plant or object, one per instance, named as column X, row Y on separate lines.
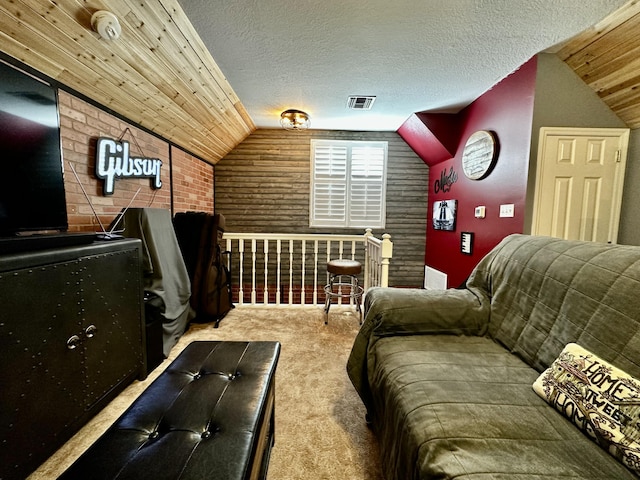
column 164, row 272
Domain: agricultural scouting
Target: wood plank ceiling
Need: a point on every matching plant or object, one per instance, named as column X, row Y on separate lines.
column 158, row 74
column 607, row 58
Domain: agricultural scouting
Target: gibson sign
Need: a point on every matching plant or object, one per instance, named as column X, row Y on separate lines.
column 113, row 161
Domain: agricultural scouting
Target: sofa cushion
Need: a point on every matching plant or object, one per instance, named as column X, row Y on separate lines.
column 546, row 292
column 600, row 399
column 462, row 407
column 393, row 311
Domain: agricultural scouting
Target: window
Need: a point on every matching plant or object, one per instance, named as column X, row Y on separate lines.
column 348, row 183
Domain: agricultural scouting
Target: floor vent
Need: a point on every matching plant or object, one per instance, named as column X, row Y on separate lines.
column 360, row 102
column 434, row 279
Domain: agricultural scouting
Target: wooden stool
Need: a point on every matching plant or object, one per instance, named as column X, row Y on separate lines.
column 338, row 269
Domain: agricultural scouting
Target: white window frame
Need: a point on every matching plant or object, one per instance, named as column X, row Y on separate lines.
column 341, row 195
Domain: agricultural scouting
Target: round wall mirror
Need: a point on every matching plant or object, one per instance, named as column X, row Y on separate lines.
column 479, row 155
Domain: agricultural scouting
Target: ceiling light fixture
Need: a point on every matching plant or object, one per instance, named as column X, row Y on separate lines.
column 294, row 120
column 106, row 24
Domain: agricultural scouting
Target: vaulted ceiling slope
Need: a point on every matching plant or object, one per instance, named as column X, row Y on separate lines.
column 607, row 58
column 415, row 55
column 158, row 74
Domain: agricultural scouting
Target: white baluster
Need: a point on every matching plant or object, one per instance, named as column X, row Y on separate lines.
column 290, row 272
column 241, row 271
column 278, row 269
column 253, row 271
column 265, row 298
column 378, row 260
column 315, row 272
column 367, row 259
column 340, row 254
column 304, row 259
column 328, row 258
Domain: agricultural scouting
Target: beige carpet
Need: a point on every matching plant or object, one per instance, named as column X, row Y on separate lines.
column 320, row 428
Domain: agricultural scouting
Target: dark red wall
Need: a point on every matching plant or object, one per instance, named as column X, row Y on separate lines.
column 507, row 110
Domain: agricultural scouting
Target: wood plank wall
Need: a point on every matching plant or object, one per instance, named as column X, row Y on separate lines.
column 262, row 185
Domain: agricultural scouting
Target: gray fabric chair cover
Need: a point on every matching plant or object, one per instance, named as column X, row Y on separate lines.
column 164, row 271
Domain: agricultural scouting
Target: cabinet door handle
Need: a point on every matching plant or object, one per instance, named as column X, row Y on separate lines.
column 73, row 342
column 90, row 331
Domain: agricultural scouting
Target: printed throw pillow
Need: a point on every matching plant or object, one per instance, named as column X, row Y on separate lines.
column 602, row 400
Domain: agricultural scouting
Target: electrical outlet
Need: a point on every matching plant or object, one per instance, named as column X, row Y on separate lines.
column 507, row 210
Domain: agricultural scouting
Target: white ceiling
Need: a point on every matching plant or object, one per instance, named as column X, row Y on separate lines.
column 413, row 55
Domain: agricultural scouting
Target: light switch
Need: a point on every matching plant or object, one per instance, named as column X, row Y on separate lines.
column 507, row 210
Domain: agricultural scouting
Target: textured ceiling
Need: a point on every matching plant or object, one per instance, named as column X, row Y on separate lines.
column 414, row 55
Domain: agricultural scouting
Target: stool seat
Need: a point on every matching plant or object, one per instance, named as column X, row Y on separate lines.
column 344, row 267
column 338, row 289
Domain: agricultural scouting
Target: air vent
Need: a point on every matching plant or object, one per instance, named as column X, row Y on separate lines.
column 360, row 102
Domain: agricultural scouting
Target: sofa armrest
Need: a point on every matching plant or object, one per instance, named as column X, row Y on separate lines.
column 396, row 311
column 392, row 311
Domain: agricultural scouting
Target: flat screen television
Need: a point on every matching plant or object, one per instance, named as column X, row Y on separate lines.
column 32, row 197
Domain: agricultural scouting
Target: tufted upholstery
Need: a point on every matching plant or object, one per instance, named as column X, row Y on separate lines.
column 208, row 415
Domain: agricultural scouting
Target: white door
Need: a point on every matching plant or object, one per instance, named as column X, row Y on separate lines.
column 580, row 175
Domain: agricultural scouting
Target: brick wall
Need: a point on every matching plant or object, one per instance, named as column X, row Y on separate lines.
column 81, row 124
column 192, row 182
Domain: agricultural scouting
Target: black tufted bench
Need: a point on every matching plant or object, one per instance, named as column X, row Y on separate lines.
column 209, row 415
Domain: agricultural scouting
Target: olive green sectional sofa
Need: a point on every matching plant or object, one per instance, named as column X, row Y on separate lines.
column 447, row 376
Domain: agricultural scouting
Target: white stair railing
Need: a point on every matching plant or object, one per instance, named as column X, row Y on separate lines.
column 378, row 257
column 289, row 269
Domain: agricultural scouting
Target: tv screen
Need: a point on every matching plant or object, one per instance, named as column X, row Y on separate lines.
column 32, row 194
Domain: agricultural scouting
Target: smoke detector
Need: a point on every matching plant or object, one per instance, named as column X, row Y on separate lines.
column 360, row 102
column 106, row 24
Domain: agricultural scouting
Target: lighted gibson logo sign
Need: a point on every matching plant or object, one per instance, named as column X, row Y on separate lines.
column 113, row 161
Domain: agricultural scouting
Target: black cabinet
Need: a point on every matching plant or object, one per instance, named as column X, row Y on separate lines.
column 71, row 338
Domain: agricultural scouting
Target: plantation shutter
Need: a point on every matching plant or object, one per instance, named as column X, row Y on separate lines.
column 329, row 184
column 367, row 181
column 348, row 184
